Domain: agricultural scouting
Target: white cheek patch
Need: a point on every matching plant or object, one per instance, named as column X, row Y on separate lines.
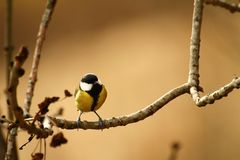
column 85, row 86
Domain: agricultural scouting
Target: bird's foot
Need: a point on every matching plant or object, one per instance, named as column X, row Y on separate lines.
column 101, row 123
column 78, row 123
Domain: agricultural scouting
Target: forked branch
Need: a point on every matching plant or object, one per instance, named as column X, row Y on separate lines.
column 193, row 78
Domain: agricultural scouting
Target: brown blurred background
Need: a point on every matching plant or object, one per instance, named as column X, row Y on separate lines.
column 139, row 49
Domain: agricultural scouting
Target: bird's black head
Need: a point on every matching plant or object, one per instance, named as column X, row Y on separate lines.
column 89, row 78
column 90, row 84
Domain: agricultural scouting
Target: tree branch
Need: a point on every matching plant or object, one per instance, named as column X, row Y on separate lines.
column 193, row 78
column 8, row 47
column 11, row 144
column 15, row 74
column 16, row 71
column 218, row 94
column 37, row 53
column 232, row 7
column 126, row 119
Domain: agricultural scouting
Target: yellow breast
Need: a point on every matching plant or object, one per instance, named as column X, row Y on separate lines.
column 84, row 101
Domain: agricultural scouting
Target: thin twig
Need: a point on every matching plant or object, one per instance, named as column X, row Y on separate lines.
column 29, row 140
column 10, row 144
column 193, row 78
column 37, row 53
column 222, row 92
column 232, row 7
column 126, row 119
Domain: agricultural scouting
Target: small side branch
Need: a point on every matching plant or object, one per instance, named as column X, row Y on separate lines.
column 37, row 53
column 193, row 78
column 126, row 119
column 232, row 7
column 218, row 94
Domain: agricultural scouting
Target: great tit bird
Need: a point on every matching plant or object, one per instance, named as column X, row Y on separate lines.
column 90, row 95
